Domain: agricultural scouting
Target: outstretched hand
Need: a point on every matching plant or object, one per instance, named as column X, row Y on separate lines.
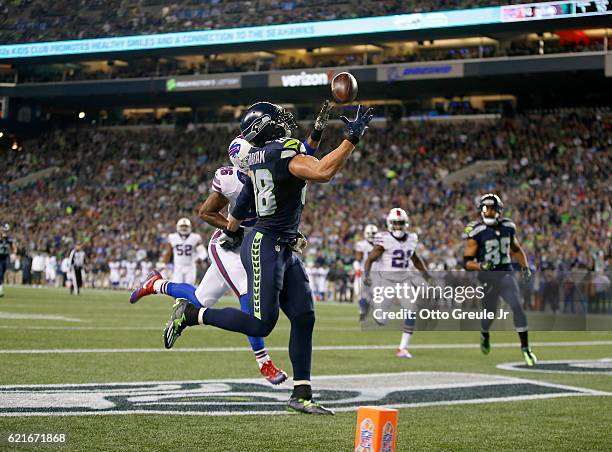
column 356, row 128
column 323, row 116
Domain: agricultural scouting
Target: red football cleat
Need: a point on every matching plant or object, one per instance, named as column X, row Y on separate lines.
column 146, row 288
column 272, row 373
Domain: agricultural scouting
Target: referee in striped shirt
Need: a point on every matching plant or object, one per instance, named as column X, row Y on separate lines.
column 77, row 262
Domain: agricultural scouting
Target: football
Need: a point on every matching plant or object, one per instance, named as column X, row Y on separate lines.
column 344, row 87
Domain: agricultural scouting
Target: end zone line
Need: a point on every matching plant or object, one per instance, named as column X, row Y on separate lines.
column 316, row 348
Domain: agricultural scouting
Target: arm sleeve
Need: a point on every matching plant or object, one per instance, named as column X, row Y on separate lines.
column 245, row 201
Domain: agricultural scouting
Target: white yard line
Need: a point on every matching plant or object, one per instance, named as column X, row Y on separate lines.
column 316, row 348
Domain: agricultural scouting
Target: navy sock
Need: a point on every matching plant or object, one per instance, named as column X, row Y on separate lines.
column 232, row 319
column 300, row 345
column 523, row 336
column 257, row 343
column 183, row 290
column 364, row 306
column 302, row 392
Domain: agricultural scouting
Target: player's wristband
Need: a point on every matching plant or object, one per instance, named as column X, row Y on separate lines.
column 316, row 135
column 353, row 139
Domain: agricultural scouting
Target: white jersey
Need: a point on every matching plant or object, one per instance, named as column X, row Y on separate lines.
column 114, row 267
column 397, row 254
column 364, row 247
column 145, row 267
column 51, row 265
column 228, row 181
column 184, row 248
column 130, row 269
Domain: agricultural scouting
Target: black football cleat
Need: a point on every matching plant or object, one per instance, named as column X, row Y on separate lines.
column 307, row 407
column 177, row 322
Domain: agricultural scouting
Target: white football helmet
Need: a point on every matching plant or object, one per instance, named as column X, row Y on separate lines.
column 397, row 222
column 238, row 152
column 369, row 232
column 183, row 226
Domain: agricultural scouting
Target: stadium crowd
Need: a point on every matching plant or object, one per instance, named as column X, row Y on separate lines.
column 40, row 20
column 215, row 64
column 119, row 192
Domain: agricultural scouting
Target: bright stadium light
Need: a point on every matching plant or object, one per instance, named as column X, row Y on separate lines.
column 14, row 146
column 1, row 134
column 81, row 115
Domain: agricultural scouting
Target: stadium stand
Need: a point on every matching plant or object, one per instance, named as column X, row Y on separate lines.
column 120, row 190
column 38, row 20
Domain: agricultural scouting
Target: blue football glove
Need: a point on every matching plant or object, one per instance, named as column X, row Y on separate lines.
column 356, row 128
column 230, row 240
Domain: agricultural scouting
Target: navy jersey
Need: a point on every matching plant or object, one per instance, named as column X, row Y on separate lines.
column 493, row 242
column 6, row 246
column 278, row 196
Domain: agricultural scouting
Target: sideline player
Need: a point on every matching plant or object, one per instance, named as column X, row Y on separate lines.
column 276, row 277
column 362, row 249
column 182, row 250
column 491, row 244
column 7, row 247
column 393, row 252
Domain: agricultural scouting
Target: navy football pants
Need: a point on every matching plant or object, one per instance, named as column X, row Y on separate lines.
column 276, row 280
column 4, row 265
column 504, row 285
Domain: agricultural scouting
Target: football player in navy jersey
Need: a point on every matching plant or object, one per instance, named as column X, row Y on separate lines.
column 491, row 245
column 279, row 171
column 7, row 246
column 226, row 271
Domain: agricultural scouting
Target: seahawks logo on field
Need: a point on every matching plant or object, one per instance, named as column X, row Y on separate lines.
column 601, row 366
column 235, row 397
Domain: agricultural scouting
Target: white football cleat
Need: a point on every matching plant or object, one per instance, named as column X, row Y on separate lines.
column 403, row 353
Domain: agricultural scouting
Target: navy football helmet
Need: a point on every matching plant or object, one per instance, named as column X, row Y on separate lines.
column 265, row 122
column 493, row 201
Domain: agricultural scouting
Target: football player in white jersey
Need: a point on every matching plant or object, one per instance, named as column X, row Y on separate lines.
column 181, row 248
column 362, row 250
column 391, row 257
column 115, row 276
column 130, row 273
column 226, row 271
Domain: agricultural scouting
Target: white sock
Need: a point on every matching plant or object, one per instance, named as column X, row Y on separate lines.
column 405, row 340
column 159, row 286
column 201, row 316
column 301, row 382
column 261, row 356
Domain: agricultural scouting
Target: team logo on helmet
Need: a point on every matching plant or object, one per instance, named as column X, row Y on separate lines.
column 490, row 201
column 397, row 222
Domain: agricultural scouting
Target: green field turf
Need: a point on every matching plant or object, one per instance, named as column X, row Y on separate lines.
column 49, row 319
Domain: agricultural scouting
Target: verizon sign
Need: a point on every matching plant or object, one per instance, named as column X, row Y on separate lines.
column 292, row 79
column 304, row 79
